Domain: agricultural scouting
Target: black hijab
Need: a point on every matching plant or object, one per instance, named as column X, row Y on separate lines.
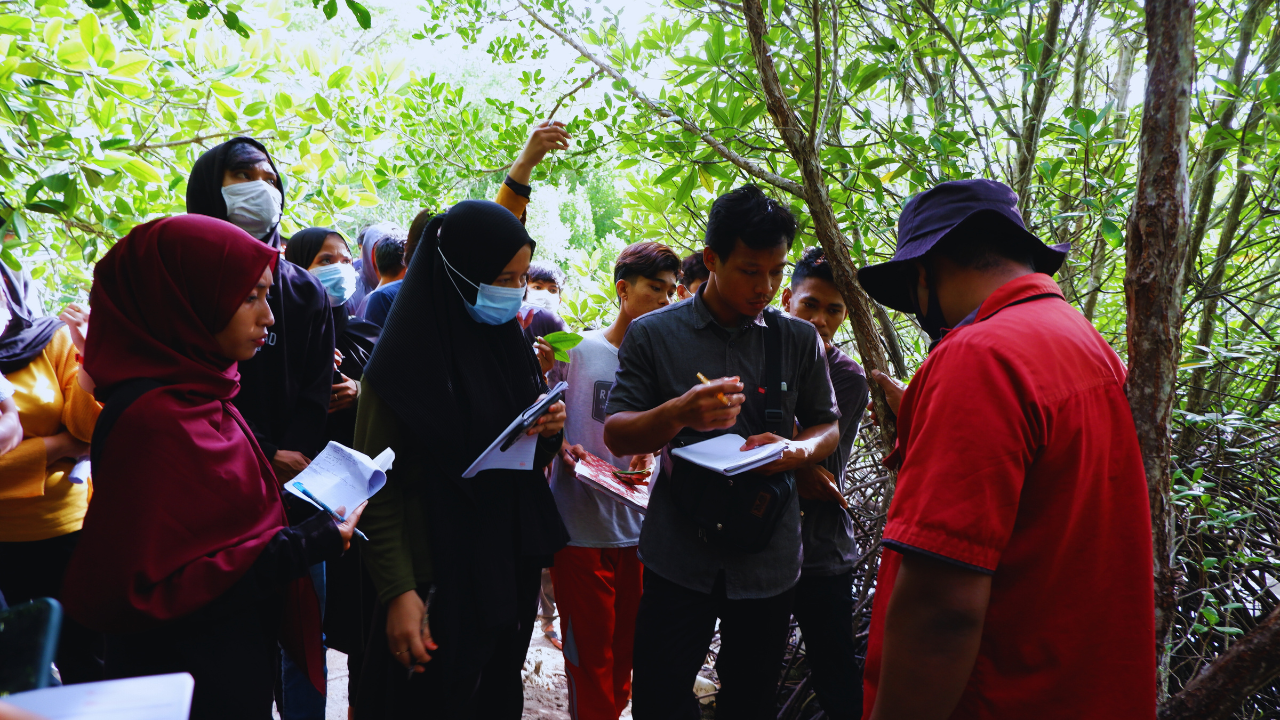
column 285, row 388
column 454, row 384
column 26, row 335
column 445, row 374
column 204, row 187
column 354, row 337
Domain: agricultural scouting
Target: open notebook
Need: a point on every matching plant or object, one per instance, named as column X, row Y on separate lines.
column 600, row 475
column 722, row 454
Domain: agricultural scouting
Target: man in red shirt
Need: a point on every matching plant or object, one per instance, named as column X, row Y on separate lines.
column 1016, row 578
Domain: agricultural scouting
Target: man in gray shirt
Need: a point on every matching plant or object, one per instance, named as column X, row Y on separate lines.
column 824, row 596
column 598, row 576
column 690, row 582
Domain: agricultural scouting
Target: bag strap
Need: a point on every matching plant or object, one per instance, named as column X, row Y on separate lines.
column 121, row 398
column 773, row 418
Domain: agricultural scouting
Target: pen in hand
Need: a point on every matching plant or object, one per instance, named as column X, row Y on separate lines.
column 336, row 517
column 719, row 396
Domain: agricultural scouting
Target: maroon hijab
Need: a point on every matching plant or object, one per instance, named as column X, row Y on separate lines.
column 184, row 500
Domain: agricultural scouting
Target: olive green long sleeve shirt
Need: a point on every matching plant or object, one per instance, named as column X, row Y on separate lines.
column 398, row 553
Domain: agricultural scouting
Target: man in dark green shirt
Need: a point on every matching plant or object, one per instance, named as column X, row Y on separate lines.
column 690, row 582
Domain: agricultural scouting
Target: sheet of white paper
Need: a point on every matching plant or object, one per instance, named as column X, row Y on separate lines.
column 517, row 457
column 158, row 697
column 342, row 477
column 722, row 454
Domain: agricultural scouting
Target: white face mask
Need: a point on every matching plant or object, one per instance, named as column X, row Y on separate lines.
column 253, row 206
column 544, row 299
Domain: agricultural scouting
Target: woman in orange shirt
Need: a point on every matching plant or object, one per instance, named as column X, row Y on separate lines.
column 42, row 501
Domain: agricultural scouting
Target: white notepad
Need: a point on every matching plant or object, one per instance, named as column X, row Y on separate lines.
column 342, row 478
column 722, row 454
column 158, row 697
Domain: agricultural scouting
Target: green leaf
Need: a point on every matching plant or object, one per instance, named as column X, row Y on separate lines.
column 51, row 207
column 628, row 163
column 362, row 14
column 14, row 24
column 223, row 90
column 339, row 76
column 73, row 55
column 563, row 342
column 142, row 170
column 130, row 16
column 685, row 191
column 330, row 9
column 1111, row 232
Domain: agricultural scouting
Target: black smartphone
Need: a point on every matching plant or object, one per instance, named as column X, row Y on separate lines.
column 530, row 416
column 28, row 643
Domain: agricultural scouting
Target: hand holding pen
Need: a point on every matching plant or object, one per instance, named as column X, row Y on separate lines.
column 710, row 405
column 346, row 525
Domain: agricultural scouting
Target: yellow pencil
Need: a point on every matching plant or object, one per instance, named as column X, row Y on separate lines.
column 721, row 396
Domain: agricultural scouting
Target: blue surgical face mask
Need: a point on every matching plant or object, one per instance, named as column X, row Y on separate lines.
column 494, row 305
column 339, row 280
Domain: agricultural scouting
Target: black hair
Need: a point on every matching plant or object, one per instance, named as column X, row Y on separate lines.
column 812, row 264
column 388, row 256
column 693, row 269
column 543, row 271
column 748, row 214
column 242, row 155
column 416, row 229
column 245, row 155
column 645, row 259
column 984, row 241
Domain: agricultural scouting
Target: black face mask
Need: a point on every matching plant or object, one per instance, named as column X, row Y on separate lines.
column 932, row 321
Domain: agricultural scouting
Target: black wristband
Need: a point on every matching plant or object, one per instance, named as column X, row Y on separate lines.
column 520, row 189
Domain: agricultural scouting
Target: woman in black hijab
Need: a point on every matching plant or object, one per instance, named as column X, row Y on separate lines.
column 350, row 597
column 320, row 250
column 285, row 390
column 450, row 372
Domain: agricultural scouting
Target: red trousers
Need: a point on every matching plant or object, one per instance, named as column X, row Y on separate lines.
column 598, row 593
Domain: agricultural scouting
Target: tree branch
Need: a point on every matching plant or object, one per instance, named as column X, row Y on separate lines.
column 741, row 162
column 977, row 77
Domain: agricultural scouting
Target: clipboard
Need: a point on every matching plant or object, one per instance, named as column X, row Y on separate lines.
column 513, row 449
column 530, row 416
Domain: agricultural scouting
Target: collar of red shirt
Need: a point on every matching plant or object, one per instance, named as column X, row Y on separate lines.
column 1017, row 290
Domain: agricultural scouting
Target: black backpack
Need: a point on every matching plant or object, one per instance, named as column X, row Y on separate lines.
column 738, row 512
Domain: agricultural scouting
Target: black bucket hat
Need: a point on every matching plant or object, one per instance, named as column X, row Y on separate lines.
column 931, row 215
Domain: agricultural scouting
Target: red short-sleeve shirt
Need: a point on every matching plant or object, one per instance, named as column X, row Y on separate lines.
column 1019, row 458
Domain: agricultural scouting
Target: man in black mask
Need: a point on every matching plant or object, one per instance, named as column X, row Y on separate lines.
column 285, row 388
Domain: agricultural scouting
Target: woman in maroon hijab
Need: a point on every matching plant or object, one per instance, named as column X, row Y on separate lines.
column 187, row 560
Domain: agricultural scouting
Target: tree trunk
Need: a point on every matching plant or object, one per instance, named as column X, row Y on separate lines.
column 1120, row 83
column 1209, row 160
column 1156, row 255
column 1043, row 87
column 825, row 225
column 1250, row 665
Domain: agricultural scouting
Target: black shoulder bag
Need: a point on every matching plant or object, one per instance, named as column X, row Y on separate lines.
column 738, row 512
column 119, row 401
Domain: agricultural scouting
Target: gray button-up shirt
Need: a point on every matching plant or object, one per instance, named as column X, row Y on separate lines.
column 660, row 359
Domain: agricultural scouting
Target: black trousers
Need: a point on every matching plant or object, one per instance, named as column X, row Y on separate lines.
column 674, row 627
column 30, row 570
column 824, row 609
column 232, row 657
column 488, row 690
